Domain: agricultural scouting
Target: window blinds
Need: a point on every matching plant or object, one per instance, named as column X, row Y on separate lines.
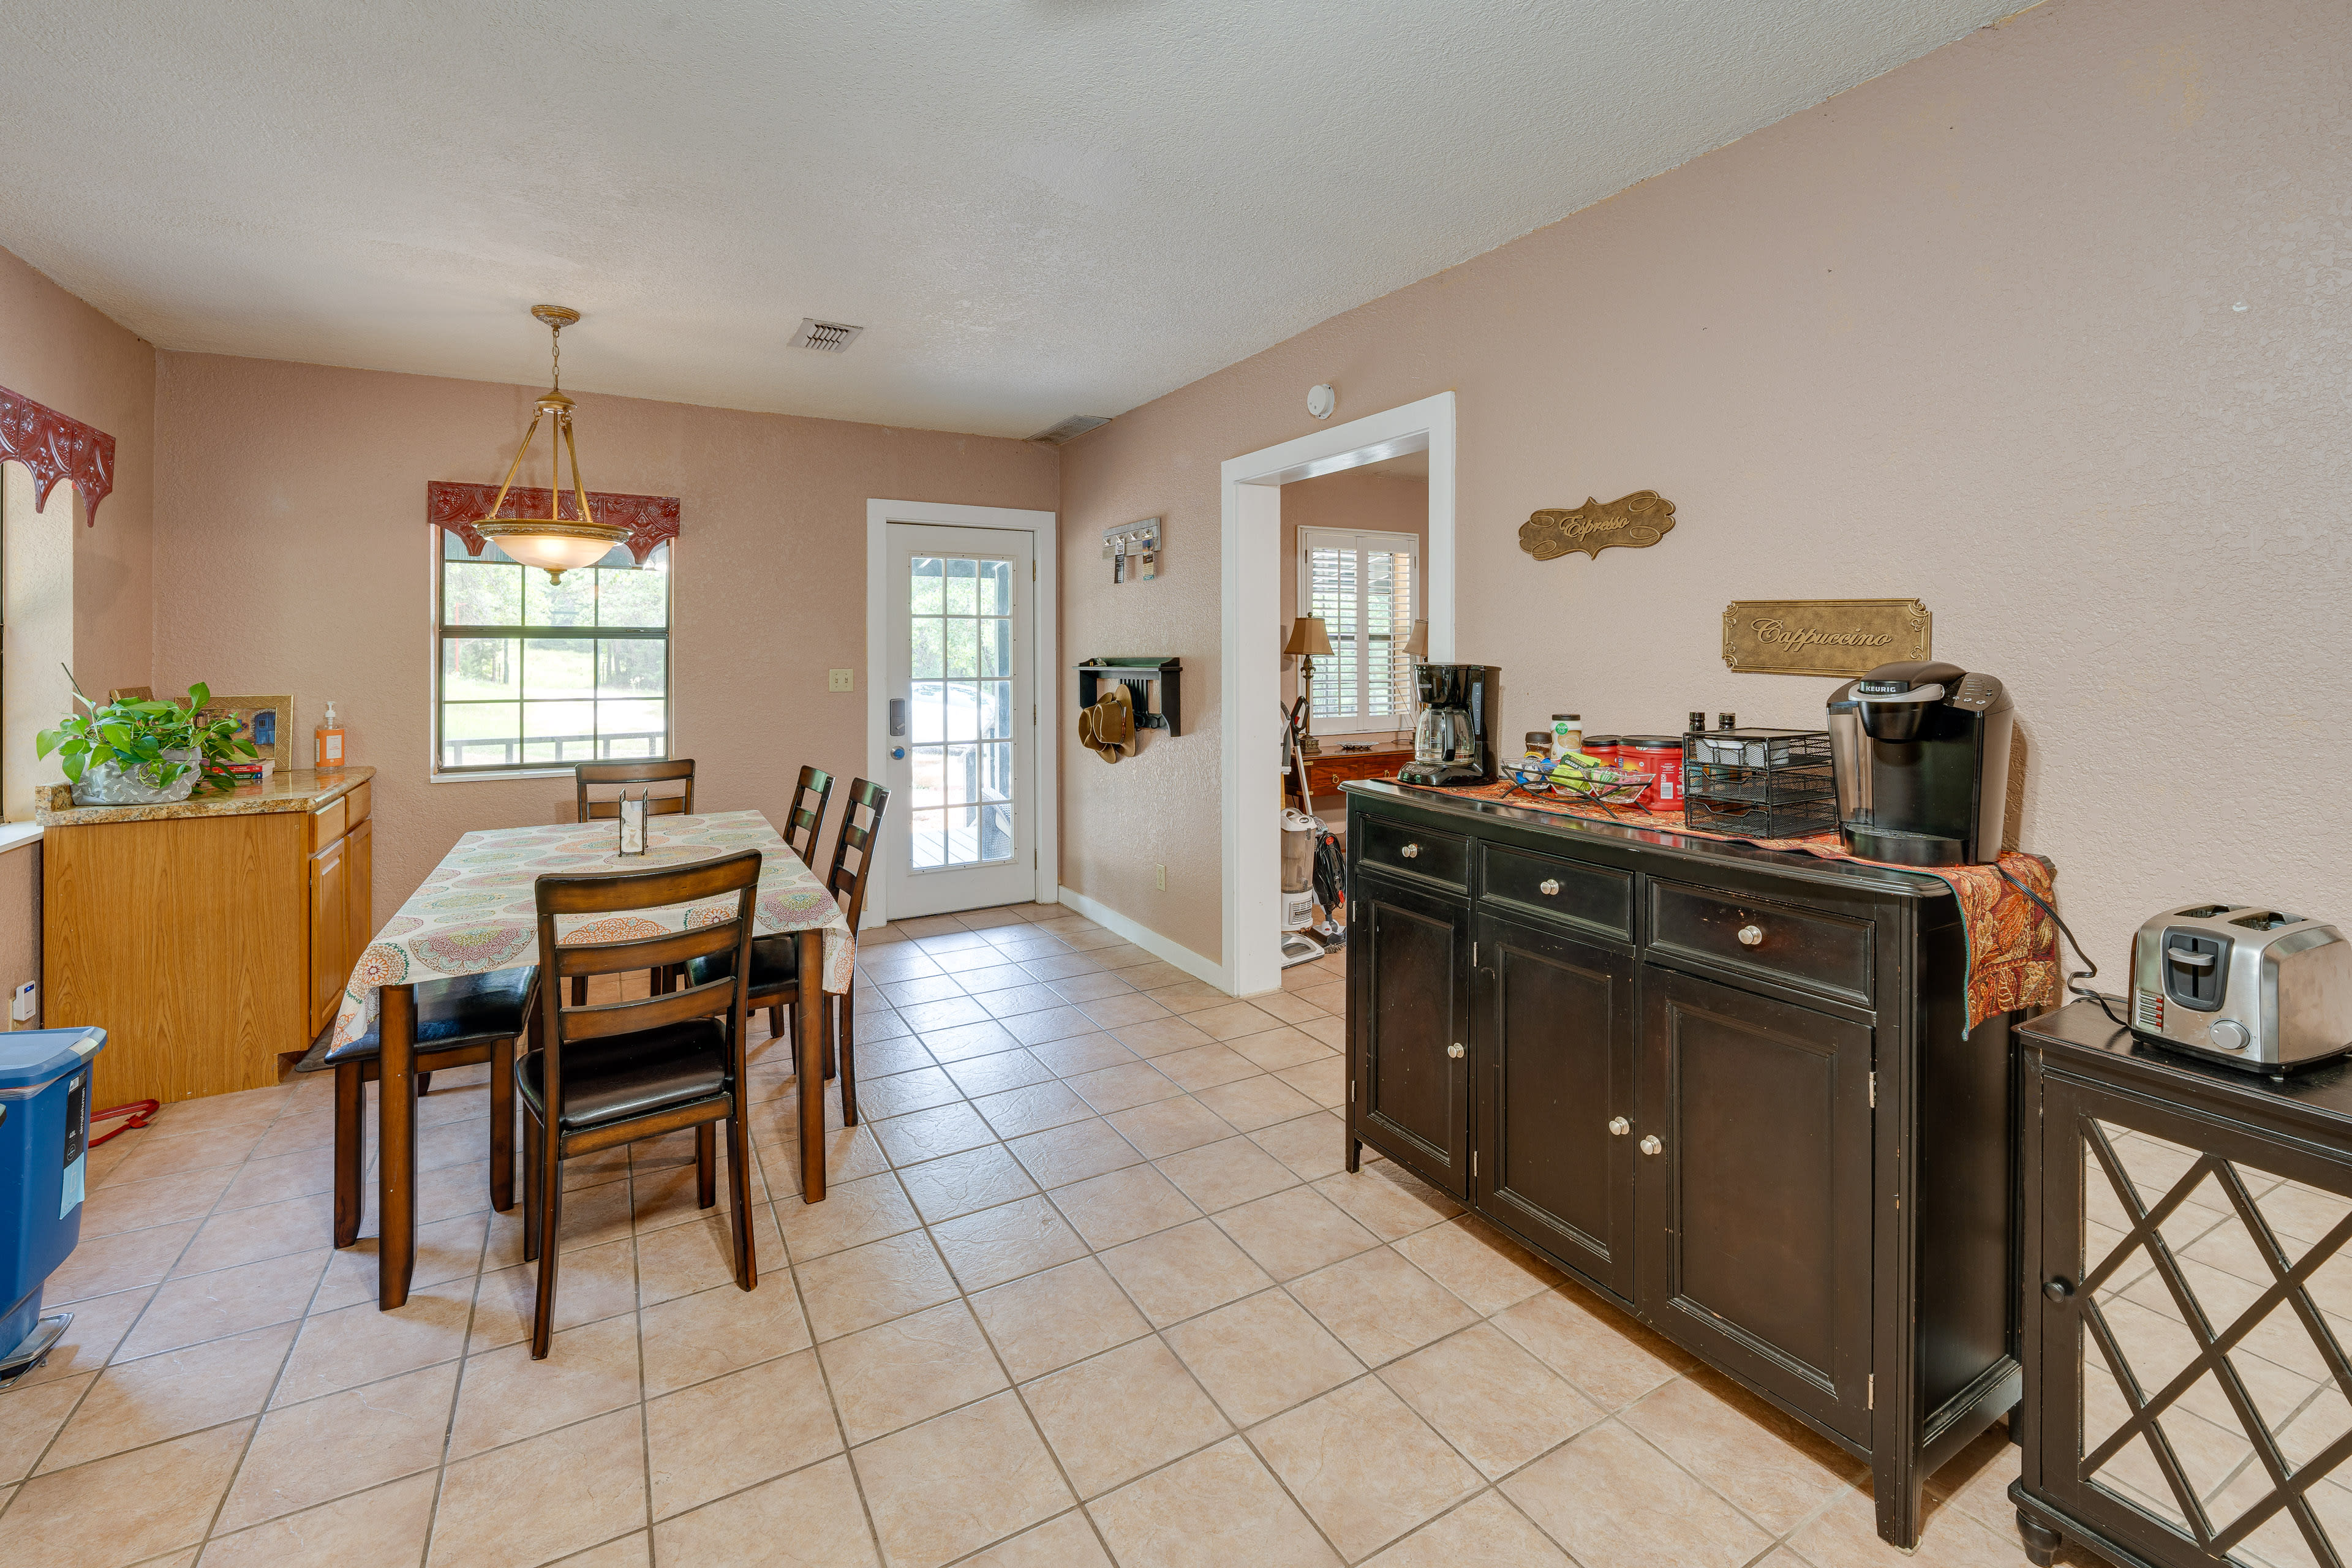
column 1362, row 585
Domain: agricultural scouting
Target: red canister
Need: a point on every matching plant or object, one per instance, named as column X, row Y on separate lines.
column 1659, row 754
column 1606, row 747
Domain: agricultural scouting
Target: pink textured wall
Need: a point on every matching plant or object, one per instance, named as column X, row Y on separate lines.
column 290, row 526
column 2051, row 328
column 1367, row 498
column 56, row 350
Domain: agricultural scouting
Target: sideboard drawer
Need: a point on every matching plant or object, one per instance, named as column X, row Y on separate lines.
column 1589, row 896
column 1416, row 851
column 357, row 806
column 1809, row 948
column 329, row 823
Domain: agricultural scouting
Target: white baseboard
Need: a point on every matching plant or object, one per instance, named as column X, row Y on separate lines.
column 1150, row 941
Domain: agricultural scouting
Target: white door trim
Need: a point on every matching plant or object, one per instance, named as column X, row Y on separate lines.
column 1044, row 623
column 1250, row 684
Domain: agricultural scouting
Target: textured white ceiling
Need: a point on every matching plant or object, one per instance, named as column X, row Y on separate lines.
column 1035, row 208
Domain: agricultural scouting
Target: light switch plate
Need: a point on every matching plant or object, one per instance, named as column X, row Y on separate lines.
column 841, row 680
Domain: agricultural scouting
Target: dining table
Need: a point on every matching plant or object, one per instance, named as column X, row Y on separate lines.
column 478, row 911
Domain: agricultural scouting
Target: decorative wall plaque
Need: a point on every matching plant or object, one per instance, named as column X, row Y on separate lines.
column 1635, row 521
column 1824, row 636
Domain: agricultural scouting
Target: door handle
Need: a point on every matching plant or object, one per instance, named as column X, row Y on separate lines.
column 898, row 717
column 897, row 753
column 1650, row 1145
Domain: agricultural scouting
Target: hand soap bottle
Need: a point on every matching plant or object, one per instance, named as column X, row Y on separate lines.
column 330, row 740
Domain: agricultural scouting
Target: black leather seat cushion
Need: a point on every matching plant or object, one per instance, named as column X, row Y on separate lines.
column 465, row 1010
column 624, row 1076
column 775, row 963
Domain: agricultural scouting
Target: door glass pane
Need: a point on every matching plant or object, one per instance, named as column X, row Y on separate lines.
column 995, row 709
column 964, row 710
column 927, row 837
column 959, row 656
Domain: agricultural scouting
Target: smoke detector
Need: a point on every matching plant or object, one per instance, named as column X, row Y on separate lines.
column 1070, row 429
column 826, row 337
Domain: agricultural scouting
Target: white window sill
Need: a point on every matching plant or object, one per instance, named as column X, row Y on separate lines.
column 501, row 775
column 17, row 835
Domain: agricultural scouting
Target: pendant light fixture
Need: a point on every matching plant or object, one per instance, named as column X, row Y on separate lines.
column 555, row 544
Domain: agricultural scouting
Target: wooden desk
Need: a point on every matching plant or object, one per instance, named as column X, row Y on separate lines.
column 1327, row 770
column 207, row 937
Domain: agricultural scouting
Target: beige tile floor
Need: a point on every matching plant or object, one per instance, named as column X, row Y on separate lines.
column 1091, row 1286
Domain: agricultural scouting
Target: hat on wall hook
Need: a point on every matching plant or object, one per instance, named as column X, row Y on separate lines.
column 1321, row 399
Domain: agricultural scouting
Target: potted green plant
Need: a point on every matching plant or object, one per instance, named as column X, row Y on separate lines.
column 144, row 753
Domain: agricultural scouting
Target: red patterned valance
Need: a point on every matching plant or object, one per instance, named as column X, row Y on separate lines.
column 650, row 519
column 56, row 447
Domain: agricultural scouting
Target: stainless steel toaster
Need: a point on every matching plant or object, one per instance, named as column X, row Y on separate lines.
column 2247, row 986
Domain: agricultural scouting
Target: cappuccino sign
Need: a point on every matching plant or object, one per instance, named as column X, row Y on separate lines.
column 1643, row 518
column 1824, row 636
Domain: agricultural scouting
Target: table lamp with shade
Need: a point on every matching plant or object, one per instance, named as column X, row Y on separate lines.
column 1308, row 638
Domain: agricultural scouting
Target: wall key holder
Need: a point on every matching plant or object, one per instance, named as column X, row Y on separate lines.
column 1138, row 676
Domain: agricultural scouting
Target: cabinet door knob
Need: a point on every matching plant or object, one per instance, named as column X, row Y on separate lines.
column 1548, row 887
column 1411, row 852
column 1454, row 1050
column 1619, row 1127
column 1751, row 936
column 1650, row 1145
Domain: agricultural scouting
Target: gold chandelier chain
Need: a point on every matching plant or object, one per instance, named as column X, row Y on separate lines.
column 555, row 354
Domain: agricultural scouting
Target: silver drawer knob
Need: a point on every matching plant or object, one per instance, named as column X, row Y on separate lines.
column 1619, row 1127
column 1454, row 1050
column 1548, row 887
column 1751, row 936
column 1411, row 852
column 1651, row 1145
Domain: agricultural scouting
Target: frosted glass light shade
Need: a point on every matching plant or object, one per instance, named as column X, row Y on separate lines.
column 555, row 545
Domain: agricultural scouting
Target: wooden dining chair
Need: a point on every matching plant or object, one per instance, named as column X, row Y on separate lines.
column 461, row 1021
column 619, row 776
column 807, row 815
column 599, row 1077
column 776, row 959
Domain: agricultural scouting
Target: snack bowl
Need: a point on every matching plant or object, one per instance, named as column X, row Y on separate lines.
column 1607, row 786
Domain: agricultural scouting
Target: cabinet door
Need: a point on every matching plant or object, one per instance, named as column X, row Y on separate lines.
column 1753, row 1202
column 1552, row 1026
column 329, row 931
column 1408, row 1028
column 359, row 895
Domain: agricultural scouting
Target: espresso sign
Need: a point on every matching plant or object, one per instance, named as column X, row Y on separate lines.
column 1824, row 636
column 1640, row 518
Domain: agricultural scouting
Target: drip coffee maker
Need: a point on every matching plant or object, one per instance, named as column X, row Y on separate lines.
column 1452, row 741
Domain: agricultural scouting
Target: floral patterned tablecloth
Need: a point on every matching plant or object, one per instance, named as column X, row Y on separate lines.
column 477, row 912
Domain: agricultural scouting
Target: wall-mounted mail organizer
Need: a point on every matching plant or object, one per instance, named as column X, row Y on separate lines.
column 1163, row 709
column 1133, row 550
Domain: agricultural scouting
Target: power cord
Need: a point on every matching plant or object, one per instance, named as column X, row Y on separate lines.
column 2074, row 981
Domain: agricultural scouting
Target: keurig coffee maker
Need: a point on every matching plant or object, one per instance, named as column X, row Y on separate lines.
column 1921, row 758
column 1453, row 742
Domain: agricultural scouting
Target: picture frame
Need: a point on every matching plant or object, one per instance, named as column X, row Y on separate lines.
column 267, row 721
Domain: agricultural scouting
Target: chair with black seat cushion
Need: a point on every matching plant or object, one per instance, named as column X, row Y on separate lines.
column 599, row 1077
column 461, row 1021
column 617, row 777
column 776, row 959
column 806, row 817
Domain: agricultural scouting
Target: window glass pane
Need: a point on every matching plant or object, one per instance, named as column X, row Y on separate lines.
column 558, row 667
column 629, row 666
column 630, row 727
column 996, row 648
column 928, row 720
column 927, row 642
column 570, row 602
column 473, row 668
column 996, row 588
column 995, row 709
column 964, row 710
column 632, row 597
column 559, row 732
column 962, row 645
column 961, row 598
column 473, row 594
column 480, row 734
column 926, row 572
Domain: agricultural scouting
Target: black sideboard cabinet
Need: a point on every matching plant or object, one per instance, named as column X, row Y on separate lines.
column 2190, row 1396
column 1726, row 1088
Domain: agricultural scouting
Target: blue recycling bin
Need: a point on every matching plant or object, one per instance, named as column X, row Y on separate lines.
column 44, row 1154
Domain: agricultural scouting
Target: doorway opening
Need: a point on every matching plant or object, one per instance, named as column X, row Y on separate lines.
column 1261, row 602
column 961, row 695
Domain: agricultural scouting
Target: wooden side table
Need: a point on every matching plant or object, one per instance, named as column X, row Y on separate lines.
column 1329, row 768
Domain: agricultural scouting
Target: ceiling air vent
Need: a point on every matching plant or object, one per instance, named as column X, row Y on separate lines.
column 826, row 337
column 1069, row 429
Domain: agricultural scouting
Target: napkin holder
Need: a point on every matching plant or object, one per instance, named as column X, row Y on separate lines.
column 630, row 814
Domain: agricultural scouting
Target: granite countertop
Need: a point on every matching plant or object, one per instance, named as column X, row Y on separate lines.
column 298, row 789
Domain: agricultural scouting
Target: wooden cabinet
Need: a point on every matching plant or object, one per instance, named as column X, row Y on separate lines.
column 1411, row 992
column 210, row 942
column 1691, row 1076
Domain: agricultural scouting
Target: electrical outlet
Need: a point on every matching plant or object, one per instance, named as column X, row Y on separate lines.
column 1162, row 878
column 841, row 680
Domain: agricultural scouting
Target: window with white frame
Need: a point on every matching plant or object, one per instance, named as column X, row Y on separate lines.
column 1363, row 585
column 536, row 673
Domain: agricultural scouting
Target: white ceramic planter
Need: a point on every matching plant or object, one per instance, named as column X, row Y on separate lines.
column 109, row 784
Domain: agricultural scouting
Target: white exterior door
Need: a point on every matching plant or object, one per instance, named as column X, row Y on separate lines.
column 962, row 718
